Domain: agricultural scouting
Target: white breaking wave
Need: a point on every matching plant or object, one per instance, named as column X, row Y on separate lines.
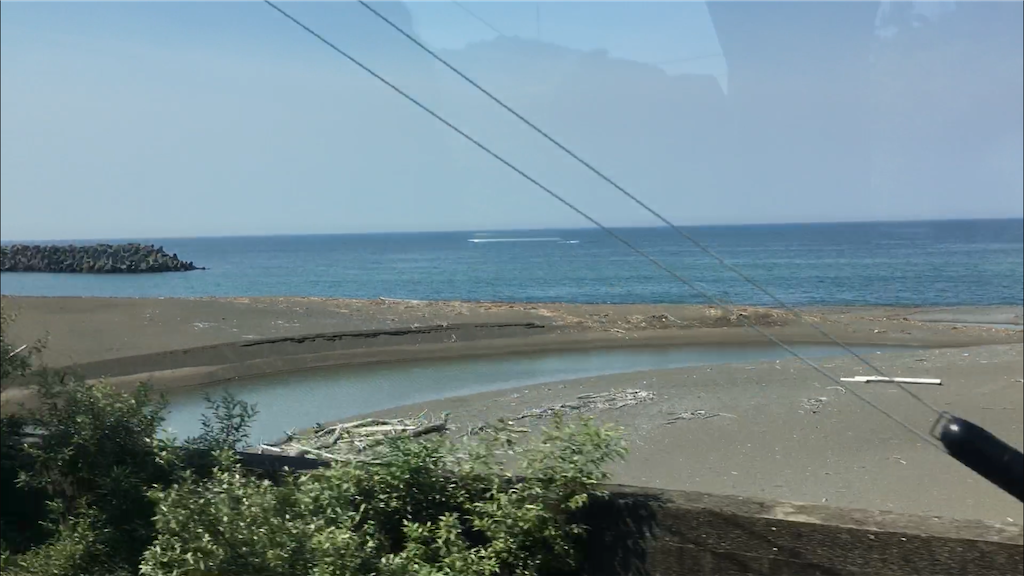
column 515, row 240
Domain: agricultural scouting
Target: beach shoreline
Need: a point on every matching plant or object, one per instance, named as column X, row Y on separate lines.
column 178, row 342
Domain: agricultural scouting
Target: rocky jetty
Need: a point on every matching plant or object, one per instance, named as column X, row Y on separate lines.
column 95, row 259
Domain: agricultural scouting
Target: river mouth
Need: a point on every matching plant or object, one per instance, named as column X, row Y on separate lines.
column 301, row 399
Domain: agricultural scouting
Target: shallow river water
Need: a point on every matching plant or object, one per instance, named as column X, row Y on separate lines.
column 300, row 399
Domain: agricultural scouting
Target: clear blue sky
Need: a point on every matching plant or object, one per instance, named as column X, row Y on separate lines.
column 199, row 118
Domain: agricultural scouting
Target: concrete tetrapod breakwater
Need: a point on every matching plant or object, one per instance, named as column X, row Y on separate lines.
column 94, row 259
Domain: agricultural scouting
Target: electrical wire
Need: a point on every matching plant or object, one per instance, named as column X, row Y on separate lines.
column 701, row 246
column 706, row 295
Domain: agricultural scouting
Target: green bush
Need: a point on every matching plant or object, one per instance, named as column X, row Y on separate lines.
column 76, row 470
column 20, row 526
column 90, row 475
column 111, row 497
column 431, row 507
column 14, row 360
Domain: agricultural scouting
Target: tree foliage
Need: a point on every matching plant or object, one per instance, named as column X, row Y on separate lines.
column 15, row 361
column 99, row 490
column 427, row 508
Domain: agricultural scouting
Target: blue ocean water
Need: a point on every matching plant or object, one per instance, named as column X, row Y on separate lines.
column 977, row 262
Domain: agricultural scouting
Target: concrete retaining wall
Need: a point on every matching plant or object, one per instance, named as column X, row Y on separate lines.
column 643, row 531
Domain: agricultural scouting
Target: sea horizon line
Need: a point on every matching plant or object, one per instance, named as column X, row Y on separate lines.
column 481, row 231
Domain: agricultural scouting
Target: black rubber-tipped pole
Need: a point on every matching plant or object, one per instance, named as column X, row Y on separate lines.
column 979, row 450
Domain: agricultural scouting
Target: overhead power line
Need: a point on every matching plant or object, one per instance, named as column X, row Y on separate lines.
column 477, row 17
column 701, row 246
column 705, row 294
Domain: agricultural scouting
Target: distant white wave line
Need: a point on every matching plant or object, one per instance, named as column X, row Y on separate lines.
column 515, row 239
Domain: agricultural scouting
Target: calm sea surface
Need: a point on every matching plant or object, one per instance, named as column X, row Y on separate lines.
column 912, row 263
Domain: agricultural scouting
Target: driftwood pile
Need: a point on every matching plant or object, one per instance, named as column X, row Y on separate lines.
column 351, row 440
column 354, row 441
column 694, row 415
column 591, row 402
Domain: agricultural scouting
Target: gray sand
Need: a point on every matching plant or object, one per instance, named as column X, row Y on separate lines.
column 83, row 330
column 768, row 444
column 971, row 315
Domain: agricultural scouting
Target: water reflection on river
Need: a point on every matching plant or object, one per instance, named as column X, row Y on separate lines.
column 300, row 399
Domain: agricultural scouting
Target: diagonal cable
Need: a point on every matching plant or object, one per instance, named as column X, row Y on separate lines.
column 701, row 246
column 709, row 297
column 477, row 17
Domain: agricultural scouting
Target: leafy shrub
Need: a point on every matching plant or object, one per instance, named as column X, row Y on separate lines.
column 79, row 547
column 89, row 477
column 15, row 361
column 23, row 507
column 103, row 494
column 420, row 507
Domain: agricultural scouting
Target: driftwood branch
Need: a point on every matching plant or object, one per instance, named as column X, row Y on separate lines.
column 591, row 402
column 12, row 354
column 864, row 379
column 338, row 442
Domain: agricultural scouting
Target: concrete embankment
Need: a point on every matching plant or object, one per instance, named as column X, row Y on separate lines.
column 645, row 531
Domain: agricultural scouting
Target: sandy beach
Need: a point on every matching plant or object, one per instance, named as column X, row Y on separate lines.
column 139, row 333
column 779, row 429
column 174, row 343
